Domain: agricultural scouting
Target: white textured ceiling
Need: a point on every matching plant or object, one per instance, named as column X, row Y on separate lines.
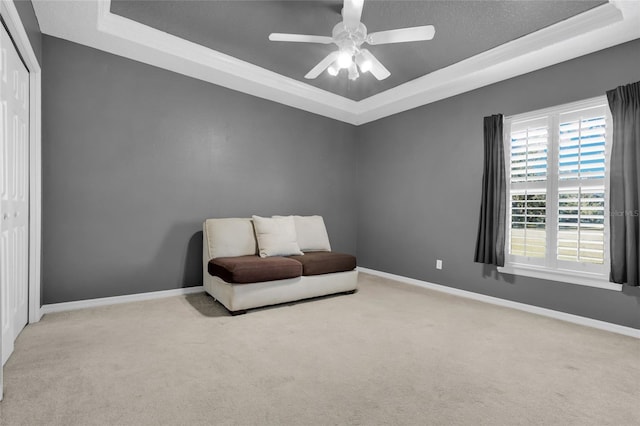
column 462, row 57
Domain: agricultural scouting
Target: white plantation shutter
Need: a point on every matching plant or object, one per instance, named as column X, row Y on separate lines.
column 529, row 142
column 528, row 221
column 581, row 186
column 581, row 233
column 582, row 145
column 558, row 187
column 528, row 159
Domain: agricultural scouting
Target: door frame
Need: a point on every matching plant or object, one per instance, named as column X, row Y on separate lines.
column 19, row 35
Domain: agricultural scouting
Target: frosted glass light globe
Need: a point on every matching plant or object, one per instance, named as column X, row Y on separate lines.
column 365, row 66
column 344, row 59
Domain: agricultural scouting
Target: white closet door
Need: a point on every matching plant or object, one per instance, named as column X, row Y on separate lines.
column 14, row 193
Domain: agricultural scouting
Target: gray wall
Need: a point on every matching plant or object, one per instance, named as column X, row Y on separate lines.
column 135, row 157
column 31, row 25
column 419, row 183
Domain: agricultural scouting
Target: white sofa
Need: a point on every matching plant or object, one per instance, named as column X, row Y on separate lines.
column 229, row 241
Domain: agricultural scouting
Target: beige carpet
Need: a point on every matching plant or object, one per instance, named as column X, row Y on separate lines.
column 390, row 354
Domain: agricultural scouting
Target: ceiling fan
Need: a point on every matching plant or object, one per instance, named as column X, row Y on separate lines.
column 349, row 35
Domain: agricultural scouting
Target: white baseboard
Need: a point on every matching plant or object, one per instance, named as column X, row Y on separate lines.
column 589, row 322
column 90, row 303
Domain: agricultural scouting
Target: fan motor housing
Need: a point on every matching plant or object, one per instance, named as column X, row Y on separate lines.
column 349, row 39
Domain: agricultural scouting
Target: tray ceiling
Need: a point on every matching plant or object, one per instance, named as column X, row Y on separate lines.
column 225, row 42
column 241, row 29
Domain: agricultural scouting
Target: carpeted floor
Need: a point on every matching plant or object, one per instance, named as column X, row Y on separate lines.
column 390, row 354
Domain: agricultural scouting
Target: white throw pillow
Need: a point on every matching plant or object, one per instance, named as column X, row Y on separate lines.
column 276, row 236
column 312, row 233
column 230, row 237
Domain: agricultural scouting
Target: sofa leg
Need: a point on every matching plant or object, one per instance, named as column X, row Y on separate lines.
column 240, row 312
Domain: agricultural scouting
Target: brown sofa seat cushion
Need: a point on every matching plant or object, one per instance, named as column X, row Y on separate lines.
column 325, row 262
column 253, row 269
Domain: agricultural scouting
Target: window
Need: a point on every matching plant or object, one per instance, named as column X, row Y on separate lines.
column 558, row 226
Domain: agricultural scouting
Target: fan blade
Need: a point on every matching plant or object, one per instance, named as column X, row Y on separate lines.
column 300, row 38
column 323, row 65
column 351, row 13
column 377, row 69
column 401, row 35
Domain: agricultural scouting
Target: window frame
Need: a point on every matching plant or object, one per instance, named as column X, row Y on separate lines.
column 549, row 267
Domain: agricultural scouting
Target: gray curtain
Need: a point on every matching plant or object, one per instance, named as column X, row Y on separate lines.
column 624, row 201
column 491, row 227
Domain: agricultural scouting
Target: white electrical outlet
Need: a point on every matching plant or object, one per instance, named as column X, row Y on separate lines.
column 438, row 264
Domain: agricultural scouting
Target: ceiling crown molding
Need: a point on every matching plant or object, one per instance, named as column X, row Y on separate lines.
column 91, row 23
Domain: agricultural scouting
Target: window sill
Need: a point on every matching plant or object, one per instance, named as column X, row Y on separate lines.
column 571, row 277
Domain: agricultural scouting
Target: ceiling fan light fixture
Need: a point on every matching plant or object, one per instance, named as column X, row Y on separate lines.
column 349, row 35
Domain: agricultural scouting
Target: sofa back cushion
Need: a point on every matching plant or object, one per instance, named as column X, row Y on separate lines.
column 312, row 234
column 230, row 237
column 276, row 236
